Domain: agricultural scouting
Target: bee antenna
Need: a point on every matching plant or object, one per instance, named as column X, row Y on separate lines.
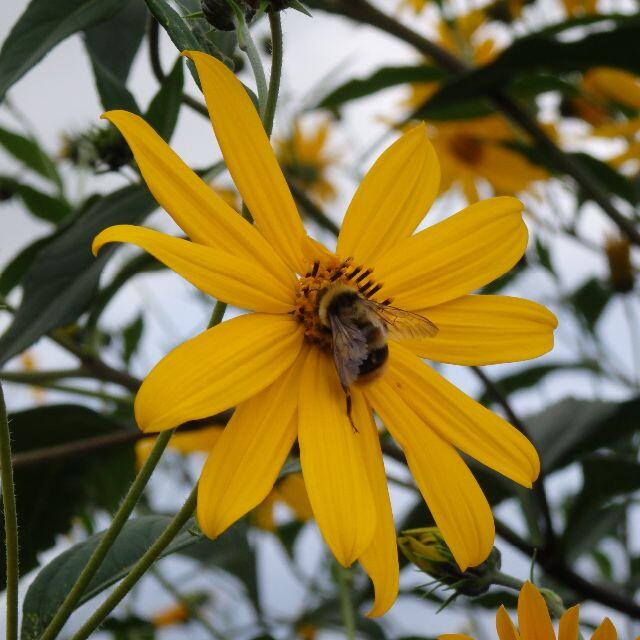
column 316, row 266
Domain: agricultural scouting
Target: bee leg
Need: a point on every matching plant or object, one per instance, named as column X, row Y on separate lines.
column 347, row 393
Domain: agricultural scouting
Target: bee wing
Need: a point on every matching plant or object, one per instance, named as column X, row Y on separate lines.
column 349, row 349
column 404, row 325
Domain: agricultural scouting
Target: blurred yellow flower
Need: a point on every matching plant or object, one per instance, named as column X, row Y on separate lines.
column 29, row 363
column 417, row 6
column 470, row 150
column 275, row 364
column 576, row 8
column 289, row 491
column 613, row 85
column 460, row 38
column 534, row 622
column 176, row 614
column 305, row 158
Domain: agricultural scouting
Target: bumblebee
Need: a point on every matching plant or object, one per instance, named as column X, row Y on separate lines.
column 360, row 328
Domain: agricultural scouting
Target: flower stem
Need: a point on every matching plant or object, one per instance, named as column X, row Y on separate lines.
column 140, row 568
column 10, row 522
column 346, row 604
column 505, row 580
column 109, row 537
column 246, row 44
column 276, row 71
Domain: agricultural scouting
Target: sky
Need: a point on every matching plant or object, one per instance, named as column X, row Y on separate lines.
column 58, row 96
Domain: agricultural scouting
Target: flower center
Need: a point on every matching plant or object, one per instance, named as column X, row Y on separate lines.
column 466, row 148
column 313, row 285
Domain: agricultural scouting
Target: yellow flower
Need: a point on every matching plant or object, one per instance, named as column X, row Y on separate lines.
column 185, row 442
column 417, row 6
column 176, row 614
column 475, row 149
column 613, row 85
column 275, row 364
column 304, row 156
column 290, row 491
column 535, row 623
column 580, row 7
column 460, row 38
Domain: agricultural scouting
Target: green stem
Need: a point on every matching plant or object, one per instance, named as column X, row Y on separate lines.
column 35, row 377
column 140, row 568
column 10, row 522
column 89, row 393
column 276, row 71
column 218, row 313
column 346, row 604
column 246, row 44
column 505, row 580
column 109, row 537
column 551, row 598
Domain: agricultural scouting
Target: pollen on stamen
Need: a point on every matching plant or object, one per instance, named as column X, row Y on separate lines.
column 321, row 275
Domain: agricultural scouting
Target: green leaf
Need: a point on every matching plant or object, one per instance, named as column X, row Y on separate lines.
column 574, row 427
column 50, row 493
column 64, row 275
column 231, row 552
column 583, row 535
column 174, row 25
column 19, row 265
column 42, row 205
column 381, row 79
column 590, row 300
column 605, row 477
column 112, row 91
column 606, row 175
column 545, row 52
column 529, row 377
column 131, row 335
column 47, row 592
column 30, row 154
column 163, row 110
column 41, row 27
column 116, row 41
column 129, row 628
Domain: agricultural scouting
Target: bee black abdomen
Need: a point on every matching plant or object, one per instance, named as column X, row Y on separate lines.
column 375, row 360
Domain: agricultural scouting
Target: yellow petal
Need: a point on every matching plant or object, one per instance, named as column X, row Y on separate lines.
column 380, row 560
column 452, row 494
column 194, row 205
column 504, row 626
column 455, row 256
column 479, row 330
column 242, row 468
column 460, row 420
column 332, row 463
column 606, row 631
column 568, row 628
column 533, row 615
column 217, row 370
column 392, row 199
column 226, row 277
column 292, row 491
column 250, row 159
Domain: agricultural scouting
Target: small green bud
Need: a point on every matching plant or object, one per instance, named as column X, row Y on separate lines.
column 426, row 548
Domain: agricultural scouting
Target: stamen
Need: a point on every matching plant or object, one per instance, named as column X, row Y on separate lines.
column 355, row 272
column 374, row 290
column 336, row 275
column 363, row 275
column 316, row 266
column 366, row 285
column 387, row 301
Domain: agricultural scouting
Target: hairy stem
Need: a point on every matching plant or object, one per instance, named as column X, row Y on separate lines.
column 106, row 542
column 10, row 522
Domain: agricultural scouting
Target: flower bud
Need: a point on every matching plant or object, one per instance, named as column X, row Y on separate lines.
column 620, row 268
column 426, row 549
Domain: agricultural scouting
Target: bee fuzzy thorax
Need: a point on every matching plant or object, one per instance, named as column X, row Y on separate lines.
column 322, row 283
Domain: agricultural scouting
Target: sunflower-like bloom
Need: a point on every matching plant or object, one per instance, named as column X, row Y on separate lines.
column 534, row 621
column 275, row 365
column 472, row 150
column 305, row 158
